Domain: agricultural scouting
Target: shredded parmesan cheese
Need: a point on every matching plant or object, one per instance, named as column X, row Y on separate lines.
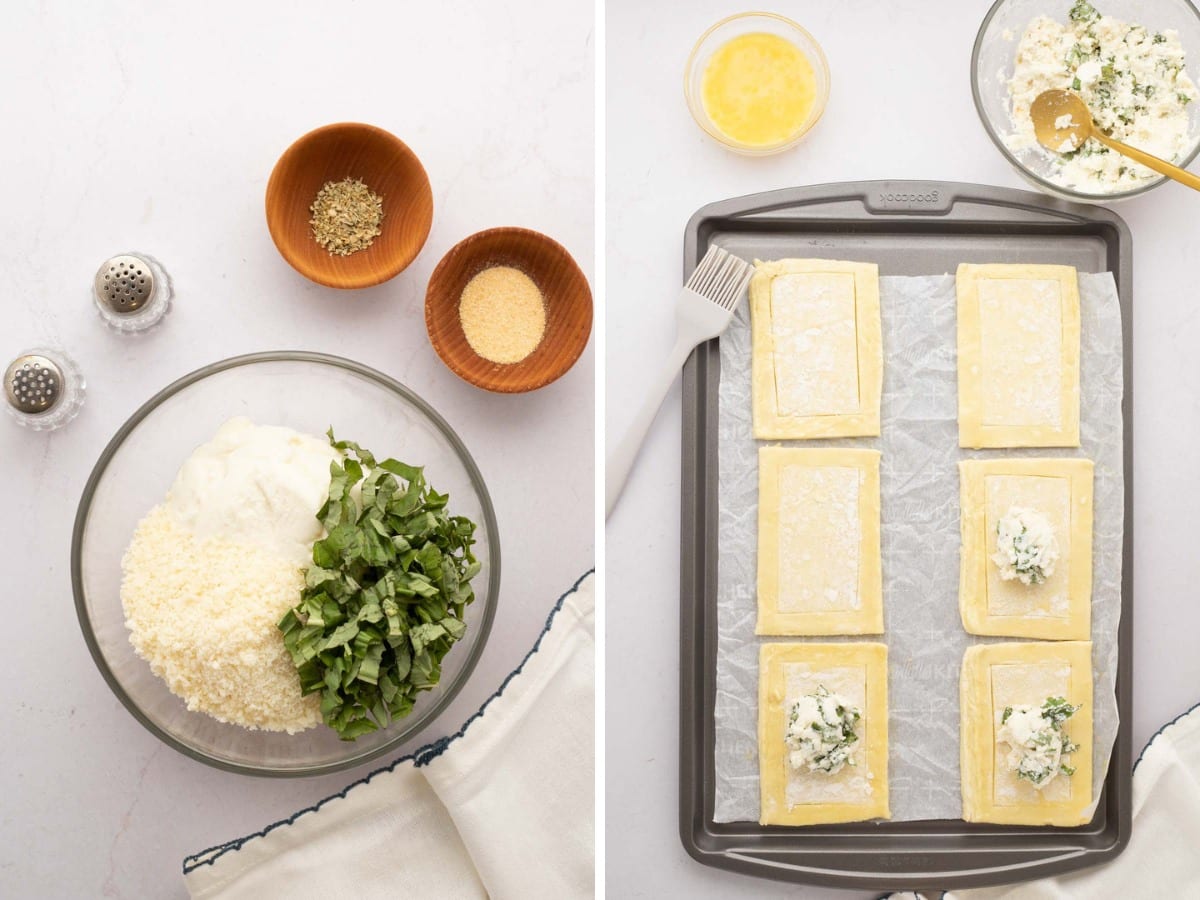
column 503, row 314
column 202, row 612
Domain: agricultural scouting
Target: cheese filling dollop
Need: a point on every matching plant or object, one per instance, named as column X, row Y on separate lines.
column 1026, row 548
column 1036, row 740
column 820, row 732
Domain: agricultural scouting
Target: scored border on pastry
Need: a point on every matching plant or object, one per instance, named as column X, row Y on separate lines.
column 817, row 349
column 819, row 566
column 1018, row 356
column 1061, row 489
column 1008, row 674
column 859, row 672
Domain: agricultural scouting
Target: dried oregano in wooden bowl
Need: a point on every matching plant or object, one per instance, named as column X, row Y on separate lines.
column 349, row 205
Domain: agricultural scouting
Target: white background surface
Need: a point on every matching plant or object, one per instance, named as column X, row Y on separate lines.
column 128, row 126
column 900, row 107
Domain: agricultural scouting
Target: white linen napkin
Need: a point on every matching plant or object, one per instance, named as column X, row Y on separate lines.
column 1161, row 859
column 504, row 808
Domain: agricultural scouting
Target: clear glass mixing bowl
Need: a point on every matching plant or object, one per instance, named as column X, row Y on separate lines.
column 309, row 392
column 992, row 69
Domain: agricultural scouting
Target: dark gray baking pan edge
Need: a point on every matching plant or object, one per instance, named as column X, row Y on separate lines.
column 881, row 856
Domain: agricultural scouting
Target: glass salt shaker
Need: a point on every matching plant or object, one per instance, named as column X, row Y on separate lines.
column 132, row 292
column 44, row 389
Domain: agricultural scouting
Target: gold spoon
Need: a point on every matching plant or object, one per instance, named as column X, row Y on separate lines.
column 1052, row 107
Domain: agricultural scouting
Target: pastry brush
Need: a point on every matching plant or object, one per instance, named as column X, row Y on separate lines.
column 704, row 310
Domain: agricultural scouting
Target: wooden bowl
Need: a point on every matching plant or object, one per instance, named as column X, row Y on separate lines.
column 564, row 288
column 387, row 166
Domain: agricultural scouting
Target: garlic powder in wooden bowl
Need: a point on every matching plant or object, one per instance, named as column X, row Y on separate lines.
column 503, row 314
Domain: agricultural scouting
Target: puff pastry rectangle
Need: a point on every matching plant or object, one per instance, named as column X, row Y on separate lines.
column 1009, row 674
column 819, row 569
column 857, row 671
column 1061, row 490
column 1018, row 356
column 817, row 357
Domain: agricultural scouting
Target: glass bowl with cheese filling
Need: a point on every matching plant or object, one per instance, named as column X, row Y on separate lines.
column 757, row 83
column 1136, row 63
column 167, row 449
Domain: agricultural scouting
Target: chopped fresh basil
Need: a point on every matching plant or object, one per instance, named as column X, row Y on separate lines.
column 1083, row 11
column 1057, row 710
column 384, row 598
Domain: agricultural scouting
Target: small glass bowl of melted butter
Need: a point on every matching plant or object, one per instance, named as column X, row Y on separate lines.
column 757, row 83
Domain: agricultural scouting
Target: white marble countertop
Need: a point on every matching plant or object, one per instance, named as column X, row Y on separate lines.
column 154, row 127
column 900, row 108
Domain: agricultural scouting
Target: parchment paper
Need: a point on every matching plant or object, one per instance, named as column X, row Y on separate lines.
column 920, row 543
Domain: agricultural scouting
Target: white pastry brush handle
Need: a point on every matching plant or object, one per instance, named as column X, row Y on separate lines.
column 621, row 460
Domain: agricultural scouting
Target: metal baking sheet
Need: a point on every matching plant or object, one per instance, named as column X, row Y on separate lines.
column 907, row 228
